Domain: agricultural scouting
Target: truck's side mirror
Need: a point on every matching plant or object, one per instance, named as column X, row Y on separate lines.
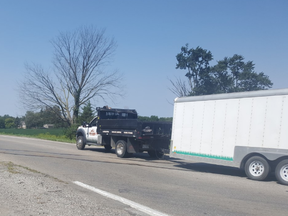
column 84, row 124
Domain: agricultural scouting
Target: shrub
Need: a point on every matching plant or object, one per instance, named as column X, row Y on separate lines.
column 70, row 132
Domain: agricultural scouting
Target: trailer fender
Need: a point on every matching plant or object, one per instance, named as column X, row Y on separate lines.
column 243, row 153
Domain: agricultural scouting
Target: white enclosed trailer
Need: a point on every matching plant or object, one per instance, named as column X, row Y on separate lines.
column 248, row 130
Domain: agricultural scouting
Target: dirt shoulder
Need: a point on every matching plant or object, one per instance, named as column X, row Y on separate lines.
column 27, row 192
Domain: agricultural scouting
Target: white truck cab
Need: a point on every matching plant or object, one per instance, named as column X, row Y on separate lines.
column 90, row 131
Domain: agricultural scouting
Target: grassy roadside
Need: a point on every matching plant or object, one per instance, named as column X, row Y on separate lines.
column 14, row 169
column 55, row 134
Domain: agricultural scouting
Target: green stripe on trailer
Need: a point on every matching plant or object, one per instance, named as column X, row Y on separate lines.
column 203, row 155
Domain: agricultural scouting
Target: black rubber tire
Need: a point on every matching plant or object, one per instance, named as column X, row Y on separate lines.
column 257, row 168
column 155, row 154
column 80, row 143
column 121, row 149
column 107, row 147
column 281, row 172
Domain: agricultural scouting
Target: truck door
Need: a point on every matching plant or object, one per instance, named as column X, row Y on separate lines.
column 92, row 135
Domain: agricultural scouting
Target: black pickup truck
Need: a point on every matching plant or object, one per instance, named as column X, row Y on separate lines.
column 121, row 129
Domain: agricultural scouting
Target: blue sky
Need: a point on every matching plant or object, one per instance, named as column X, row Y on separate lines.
column 149, row 34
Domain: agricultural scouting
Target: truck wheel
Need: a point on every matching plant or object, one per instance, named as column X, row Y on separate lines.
column 80, row 143
column 257, row 168
column 281, row 172
column 121, row 148
column 107, row 147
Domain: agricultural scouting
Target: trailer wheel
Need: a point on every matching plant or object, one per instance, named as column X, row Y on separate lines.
column 281, row 172
column 121, row 149
column 80, row 143
column 257, row 168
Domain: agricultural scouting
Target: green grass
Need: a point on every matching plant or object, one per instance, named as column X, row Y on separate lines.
column 10, row 167
column 54, row 134
column 32, row 132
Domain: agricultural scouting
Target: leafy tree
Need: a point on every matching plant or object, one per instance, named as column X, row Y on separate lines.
column 169, row 119
column 154, row 118
column 2, row 122
column 87, row 113
column 52, row 115
column 9, row 123
column 235, row 75
column 79, row 60
column 196, row 62
column 228, row 75
column 49, row 115
column 33, row 120
column 147, row 118
column 17, row 122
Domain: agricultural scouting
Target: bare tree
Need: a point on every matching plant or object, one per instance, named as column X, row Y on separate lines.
column 179, row 87
column 79, row 60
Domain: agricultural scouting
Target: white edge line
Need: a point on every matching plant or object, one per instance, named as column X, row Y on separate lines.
column 132, row 204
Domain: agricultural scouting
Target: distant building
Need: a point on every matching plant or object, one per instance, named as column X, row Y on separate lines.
column 22, row 125
column 48, row 126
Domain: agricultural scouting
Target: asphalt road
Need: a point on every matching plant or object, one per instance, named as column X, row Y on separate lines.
column 173, row 187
